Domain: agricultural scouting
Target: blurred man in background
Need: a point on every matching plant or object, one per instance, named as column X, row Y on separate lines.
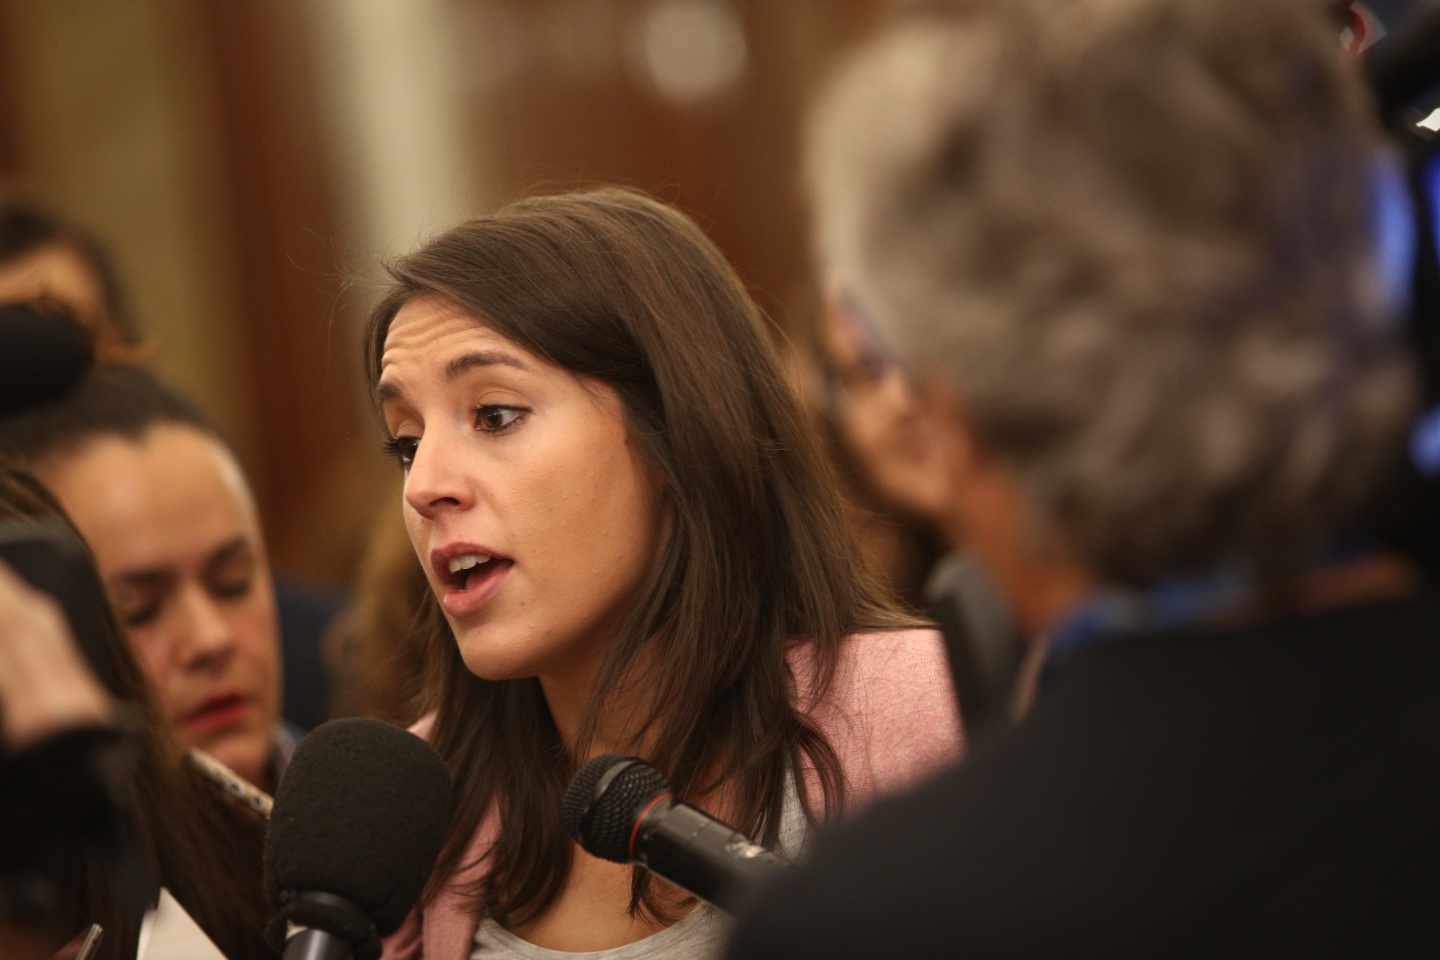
column 1129, row 257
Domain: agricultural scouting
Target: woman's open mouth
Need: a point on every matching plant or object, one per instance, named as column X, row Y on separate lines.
column 471, row 579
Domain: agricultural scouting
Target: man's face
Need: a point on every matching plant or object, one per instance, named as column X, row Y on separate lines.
column 176, row 535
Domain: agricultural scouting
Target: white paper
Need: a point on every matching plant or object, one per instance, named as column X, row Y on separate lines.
column 169, row 933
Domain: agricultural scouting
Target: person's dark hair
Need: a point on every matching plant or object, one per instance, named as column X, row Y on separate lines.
column 113, row 401
column 1220, row 353
column 613, row 286
column 373, row 647
column 188, row 835
column 26, row 228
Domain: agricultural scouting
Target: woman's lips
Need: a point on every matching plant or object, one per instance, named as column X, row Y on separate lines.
column 482, row 584
column 217, row 713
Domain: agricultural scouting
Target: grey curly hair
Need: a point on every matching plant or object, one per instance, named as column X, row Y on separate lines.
column 1138, row 240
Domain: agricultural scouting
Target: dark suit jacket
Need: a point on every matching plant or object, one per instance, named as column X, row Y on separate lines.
column 1272, row 788
column 305, row 614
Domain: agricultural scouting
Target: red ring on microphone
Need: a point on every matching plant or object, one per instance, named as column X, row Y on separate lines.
column 640, row 818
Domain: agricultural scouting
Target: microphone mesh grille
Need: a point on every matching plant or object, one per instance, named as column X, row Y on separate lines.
column 602, row 824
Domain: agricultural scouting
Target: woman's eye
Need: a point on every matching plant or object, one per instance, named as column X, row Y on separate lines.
column 231, row 589
column 138, row 616
column 493, row 418
column 402, row 450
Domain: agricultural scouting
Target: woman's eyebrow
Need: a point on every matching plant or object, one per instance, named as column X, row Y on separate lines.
column 143, row 578
column 231, row 549
column 482, row 358
column 387, row 390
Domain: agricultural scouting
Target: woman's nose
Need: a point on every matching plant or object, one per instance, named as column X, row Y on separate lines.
column 209, row 637
column 434, row 482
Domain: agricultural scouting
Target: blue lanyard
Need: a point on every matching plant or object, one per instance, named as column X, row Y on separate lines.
column 1114, row 615
column 1111, row 615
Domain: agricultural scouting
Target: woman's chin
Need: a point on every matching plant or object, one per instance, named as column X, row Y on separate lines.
column 488, row 668
column 248, row 756
column 485, row 661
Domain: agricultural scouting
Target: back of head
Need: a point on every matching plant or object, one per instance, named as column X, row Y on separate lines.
column 120, row 401
column 29, row 230
column 1141, row 241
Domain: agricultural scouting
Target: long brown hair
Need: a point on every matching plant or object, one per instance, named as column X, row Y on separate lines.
column 619, row 288
column 185, row 834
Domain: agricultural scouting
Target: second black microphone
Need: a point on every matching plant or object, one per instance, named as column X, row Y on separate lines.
column 621, row 809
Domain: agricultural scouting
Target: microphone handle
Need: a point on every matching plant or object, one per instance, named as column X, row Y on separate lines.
column 312, row 944
column 698, row 853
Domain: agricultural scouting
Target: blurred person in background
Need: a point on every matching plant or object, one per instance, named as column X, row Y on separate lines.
column 897, row 543
column 632, row 545
column 1132, row 259
column 42, row 257
column 174, row 826
column 162, row 502
column 879, row 435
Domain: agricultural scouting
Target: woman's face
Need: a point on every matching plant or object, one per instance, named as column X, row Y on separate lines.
column 881, row 422
column 177, row 539
column 531, row 512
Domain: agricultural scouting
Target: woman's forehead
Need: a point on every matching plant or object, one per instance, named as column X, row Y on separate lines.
column 433, row 340
column 174, row 496
column 426, row 321
column 430, row 330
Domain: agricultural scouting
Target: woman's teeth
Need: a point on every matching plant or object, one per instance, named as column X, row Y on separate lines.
column 467, row 562
column 462, row 567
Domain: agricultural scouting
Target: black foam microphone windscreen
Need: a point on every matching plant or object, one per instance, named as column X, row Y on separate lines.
column 43, row 353
column 360, row 814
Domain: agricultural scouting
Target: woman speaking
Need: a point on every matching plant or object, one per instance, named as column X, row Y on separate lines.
column 632, row 546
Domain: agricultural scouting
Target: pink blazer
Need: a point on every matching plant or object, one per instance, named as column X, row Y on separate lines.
column 890, row 715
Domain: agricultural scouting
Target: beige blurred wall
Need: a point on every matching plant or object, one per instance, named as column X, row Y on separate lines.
column 114, row 129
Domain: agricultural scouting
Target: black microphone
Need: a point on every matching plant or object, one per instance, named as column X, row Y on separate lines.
column 43, row 353
column 621, row 809
column 359, row 817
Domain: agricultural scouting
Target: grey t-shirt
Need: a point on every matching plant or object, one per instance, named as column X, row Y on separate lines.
column 698, row 936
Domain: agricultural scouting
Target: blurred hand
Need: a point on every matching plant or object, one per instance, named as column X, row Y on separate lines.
column 18, row 942
column 45, row 684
